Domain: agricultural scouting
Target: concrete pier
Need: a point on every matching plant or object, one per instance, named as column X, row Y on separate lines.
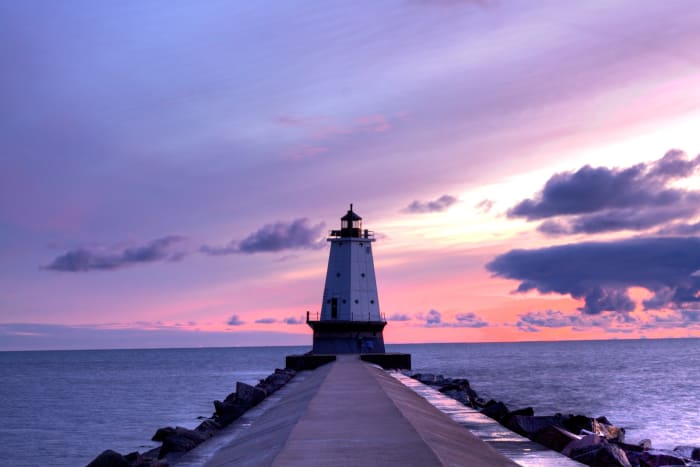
column 351, row 413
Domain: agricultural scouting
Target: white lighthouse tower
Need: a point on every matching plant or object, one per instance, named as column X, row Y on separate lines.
column 350, row 320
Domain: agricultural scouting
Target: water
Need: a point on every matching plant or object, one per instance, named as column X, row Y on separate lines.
column 64, row 408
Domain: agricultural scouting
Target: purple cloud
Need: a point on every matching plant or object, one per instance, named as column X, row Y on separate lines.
column 279, row 236
column 86, row 259
column 433, row 319
column 293, row 320
column 534, row 321
column 234, row 320
column 438, row 205
column 265, row 321
column 398, row 317
column 593, row 200
column 470, row 320
column 531, row 321
column 600, row 273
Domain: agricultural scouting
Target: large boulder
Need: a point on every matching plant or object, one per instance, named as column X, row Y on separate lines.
column 208, row 427
column 249, row 395
column 162, row 433
column 554, row 437
column 226, row 412
column 181, row 440
column 455, row 385
column 528, row 426
column 109, row 458
column 495, row 410
column 595, row 451
column 576, row 423
column 658, row 458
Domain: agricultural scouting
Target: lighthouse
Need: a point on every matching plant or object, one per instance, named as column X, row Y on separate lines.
column 350, row 320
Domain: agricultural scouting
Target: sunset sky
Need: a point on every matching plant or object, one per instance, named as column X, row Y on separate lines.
column 169, row 170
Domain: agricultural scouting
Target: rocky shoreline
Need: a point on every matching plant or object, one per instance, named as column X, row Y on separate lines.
column 176, row 441
column 591, row 441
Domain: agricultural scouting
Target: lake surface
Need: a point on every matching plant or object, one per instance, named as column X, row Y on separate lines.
column 64, row 407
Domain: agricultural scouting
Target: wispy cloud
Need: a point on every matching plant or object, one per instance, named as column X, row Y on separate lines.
column 169, row 248
column 437, row 205
column 320, row 134
column 484, row 206
column 279, row 236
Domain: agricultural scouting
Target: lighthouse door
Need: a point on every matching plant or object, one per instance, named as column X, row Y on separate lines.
column 334, row 308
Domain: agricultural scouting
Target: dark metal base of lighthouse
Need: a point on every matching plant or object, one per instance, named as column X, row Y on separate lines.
column 344, row 337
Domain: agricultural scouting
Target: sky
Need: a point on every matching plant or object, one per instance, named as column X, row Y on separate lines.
column 169, row 170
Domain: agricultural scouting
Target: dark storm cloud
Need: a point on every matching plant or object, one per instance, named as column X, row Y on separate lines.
column 438, row 205
column 600, row 273
column 234, row 320
column 601, row 199
column 433, row 319
column 86, row 259
column 298, row 234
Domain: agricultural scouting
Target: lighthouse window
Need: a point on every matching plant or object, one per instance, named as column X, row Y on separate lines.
column 344, row 301
column 334, row 308
column 337, row 274
column 372, row 302
column 360, row 243
column 357, row 301
column 363, row 274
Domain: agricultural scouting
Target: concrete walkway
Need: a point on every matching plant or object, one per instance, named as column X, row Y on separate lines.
column 350, row 413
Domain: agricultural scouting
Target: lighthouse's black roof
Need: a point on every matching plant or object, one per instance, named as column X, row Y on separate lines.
column 351, row 216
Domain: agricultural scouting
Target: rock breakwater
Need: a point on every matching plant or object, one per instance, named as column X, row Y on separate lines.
column 176, row 441
column 588, row 440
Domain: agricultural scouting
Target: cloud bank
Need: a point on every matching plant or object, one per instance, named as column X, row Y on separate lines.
column 593, row 200
column 600, row 273
column 168, row 248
